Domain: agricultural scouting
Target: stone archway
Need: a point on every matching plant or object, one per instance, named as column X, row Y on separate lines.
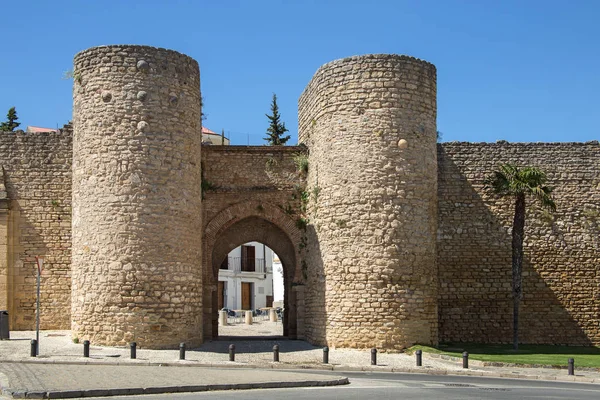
column 251, row 221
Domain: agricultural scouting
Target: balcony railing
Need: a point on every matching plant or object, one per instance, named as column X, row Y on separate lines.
column 240, row 265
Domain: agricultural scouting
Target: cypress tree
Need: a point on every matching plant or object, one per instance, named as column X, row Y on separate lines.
column 276, row 127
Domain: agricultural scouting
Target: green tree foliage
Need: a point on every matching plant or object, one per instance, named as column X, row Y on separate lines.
column 518, row 183
column 11, row 121
column 276, row 128
column 202, row 115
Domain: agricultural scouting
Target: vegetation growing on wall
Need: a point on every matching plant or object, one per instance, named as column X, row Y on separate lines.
column 301, row 161
column 71, row 74
column 206, row 186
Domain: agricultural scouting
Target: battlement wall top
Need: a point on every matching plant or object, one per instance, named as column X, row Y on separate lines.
column 128, row 48
column 254, row 149
column 503, row 143
column 346, row 65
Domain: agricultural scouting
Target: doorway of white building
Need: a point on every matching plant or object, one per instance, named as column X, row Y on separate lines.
column 251, row 279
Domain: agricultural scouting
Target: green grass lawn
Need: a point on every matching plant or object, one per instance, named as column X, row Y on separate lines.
column 527, row 354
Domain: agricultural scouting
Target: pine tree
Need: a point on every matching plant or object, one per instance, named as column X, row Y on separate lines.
column 276, row 127
column 11, row 124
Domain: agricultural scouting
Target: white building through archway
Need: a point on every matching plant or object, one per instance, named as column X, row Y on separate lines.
column 277, row 282
column 250, row 278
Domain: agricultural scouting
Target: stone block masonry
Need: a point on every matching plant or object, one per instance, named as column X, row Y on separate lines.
column 370, row 125
column 561, row 274
column 253, row 194
column 136, row 271
column 388, row 241
column 35, row 220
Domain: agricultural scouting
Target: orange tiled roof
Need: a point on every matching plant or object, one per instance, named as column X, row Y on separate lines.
column 207, row 131
column 38, row 129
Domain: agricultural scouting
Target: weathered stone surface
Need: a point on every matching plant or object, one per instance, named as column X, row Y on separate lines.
column 142, row 95
column 561, row 271
column 37, row 169
column 143, row 65
column 364, row 263
column 137, row 199
column 372, row 275
column 253, row 194
column 106, row 96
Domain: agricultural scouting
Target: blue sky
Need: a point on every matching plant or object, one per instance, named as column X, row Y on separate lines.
column 512, row 70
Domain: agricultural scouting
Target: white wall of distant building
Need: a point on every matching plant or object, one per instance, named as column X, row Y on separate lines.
column 262, row 278
column 277, row 279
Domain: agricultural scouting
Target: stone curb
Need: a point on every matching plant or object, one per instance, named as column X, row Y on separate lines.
column 328, row 367
column 69, row 394
column 514, row 365
column 480, row 363
column 476, row 363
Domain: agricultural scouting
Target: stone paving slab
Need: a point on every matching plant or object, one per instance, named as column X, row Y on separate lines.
column 58, row 350
column 37, row 380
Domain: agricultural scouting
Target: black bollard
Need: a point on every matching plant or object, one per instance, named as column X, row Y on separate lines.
column 182, row 351
column 419, row 358
column 571, row 366
column 132, row 352
column 373, row 356
column 86, row 348
column 33, row 351
column 325, row 355
column 232, row 352
column 465, row 360
column 276, row 353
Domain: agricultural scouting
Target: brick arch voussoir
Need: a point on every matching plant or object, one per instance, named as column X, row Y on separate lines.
column 247, row 209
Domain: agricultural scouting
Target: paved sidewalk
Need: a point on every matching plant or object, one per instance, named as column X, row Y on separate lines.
column 61, row 360
column 36, row 380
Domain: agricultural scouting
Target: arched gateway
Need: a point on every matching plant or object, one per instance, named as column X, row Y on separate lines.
column 380, row 236
column 251, row 221
column 155, row 212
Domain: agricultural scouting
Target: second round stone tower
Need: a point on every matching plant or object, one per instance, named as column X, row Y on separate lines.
column 370, row 126
column 136, row 271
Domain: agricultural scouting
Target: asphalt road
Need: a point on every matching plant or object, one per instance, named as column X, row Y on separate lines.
column 407, row 386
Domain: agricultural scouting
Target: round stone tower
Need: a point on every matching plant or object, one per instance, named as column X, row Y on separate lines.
column 370, row 125
column 136, row 265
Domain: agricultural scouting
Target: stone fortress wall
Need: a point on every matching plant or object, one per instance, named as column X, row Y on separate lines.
column 36, row 178
column 252, row 194
column 370, row 125
column 386, row 242
column 561, row 274
column 136, row 197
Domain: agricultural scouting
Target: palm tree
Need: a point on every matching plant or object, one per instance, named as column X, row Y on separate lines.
column 511, row 181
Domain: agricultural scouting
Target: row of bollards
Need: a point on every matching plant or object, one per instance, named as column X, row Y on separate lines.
column 182, row 351
column 571, row 367
column 373, row 356
column 33, row 351
column 182, row 347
